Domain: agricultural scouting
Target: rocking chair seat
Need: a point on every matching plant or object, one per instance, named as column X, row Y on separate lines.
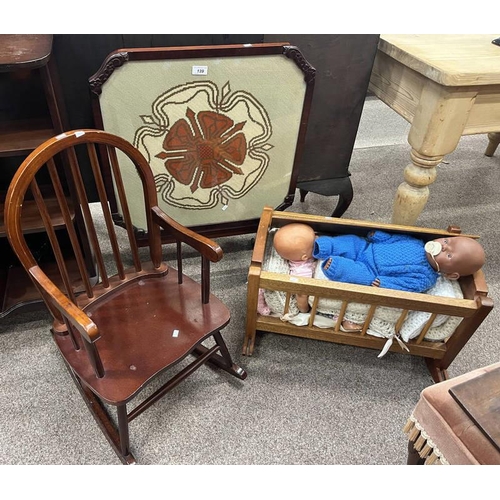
column 167, row 334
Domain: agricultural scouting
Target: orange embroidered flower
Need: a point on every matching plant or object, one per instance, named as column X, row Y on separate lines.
column 205, row 150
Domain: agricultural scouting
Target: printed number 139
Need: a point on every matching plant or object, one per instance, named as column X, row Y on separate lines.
column 199, row 70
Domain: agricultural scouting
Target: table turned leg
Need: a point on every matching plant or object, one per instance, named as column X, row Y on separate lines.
column 494, row 141
column 436, row 128
column 413, row 193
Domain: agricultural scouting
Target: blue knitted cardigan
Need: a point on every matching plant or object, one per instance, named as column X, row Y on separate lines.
column 399, row 261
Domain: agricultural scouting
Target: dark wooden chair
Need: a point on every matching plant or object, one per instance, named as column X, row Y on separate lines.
column 140, row 317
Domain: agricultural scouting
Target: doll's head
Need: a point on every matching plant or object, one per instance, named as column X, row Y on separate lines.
column 295, row 241
column 455, row 256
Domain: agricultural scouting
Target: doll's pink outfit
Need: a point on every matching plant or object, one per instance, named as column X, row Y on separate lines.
column 301, row 268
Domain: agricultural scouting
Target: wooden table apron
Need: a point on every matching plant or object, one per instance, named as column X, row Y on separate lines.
column 446, row 86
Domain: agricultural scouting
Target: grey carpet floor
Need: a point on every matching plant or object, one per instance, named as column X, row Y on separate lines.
column 304, row 401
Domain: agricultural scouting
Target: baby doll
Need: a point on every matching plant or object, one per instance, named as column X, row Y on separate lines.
column 395, row 261
column 294, row 242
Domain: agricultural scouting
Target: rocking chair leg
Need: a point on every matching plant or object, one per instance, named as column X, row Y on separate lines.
column 224, row 360
column 123, row 429
column 102, row 418
column 223, row 348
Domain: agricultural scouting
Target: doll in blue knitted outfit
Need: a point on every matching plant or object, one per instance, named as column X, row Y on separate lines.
column 396, row 261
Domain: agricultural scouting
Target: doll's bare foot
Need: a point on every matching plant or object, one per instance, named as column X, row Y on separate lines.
column 349, row 326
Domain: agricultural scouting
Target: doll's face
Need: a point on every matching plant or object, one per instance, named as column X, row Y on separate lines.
column 458, row 256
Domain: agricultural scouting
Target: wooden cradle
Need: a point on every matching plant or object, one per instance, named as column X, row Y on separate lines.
column 473, row 308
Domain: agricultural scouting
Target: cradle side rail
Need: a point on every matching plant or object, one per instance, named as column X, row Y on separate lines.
column 272, row 218
column 438, row 355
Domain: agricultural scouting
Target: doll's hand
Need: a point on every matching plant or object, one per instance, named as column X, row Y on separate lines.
column 327, row 264
column 376, row 282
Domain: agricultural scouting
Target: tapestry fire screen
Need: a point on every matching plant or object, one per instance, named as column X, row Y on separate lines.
column 222, row 128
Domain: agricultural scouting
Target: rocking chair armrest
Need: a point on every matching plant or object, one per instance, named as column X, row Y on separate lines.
column 78, row 319
column 207, row 247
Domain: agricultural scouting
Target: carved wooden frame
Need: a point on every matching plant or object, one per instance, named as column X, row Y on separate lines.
column 291, row 62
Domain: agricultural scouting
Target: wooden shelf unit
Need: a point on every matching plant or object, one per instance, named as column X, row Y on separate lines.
column 18, row 290
column 27, row 59
column 32, row 221
column 21, row 137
